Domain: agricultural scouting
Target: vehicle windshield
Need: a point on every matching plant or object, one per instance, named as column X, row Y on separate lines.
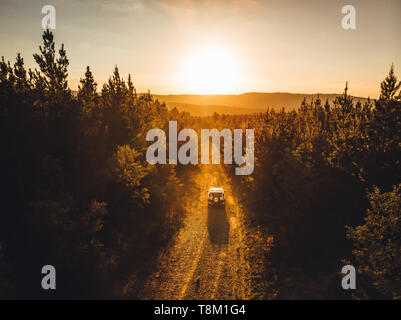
column 215, row 194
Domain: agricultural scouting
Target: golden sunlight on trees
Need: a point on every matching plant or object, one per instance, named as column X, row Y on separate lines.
column 80, row 193
column 377, row 246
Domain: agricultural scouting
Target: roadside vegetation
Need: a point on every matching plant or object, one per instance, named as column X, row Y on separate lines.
column 78, row 192
column 320, row 168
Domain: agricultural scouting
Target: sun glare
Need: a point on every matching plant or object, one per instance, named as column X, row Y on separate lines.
column 210, row 70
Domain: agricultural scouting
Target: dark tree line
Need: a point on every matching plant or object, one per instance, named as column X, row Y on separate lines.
column 314, row 167
column 77, row 192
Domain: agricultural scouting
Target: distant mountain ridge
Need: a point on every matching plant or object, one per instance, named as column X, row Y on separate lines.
column 246, row 103
column 250, row 102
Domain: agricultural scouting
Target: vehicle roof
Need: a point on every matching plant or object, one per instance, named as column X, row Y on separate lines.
column 216, row 189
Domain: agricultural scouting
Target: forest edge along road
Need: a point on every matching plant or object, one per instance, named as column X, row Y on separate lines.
column 209, row 258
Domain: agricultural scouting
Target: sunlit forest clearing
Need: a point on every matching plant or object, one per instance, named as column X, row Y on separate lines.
column 79, row 193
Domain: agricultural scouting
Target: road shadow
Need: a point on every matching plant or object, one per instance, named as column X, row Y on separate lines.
column 218, row 225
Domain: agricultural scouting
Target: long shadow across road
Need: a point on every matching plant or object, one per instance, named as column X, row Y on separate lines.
column 218, row 226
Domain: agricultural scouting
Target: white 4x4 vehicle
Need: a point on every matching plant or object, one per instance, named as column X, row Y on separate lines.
column 216, row 197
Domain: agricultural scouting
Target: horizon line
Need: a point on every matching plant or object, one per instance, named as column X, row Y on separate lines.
column 243, row 93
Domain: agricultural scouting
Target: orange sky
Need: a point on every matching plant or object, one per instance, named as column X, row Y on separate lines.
column 232, row 46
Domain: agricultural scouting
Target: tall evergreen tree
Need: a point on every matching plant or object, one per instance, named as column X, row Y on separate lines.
column 384, row 135
column 345, row 101
column 54, row 70
column 389, row 86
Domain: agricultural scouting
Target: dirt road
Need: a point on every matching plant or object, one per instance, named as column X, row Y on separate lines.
column 214, row 255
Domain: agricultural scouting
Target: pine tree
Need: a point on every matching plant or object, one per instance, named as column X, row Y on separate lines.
column 54, row 71
column 20, row 74
column 327, row 106
column 389, row 87
column 376, row 246
column 87, row 90
column 318, row 102
column 304, row 105
column 384, row 134
column 345, row 101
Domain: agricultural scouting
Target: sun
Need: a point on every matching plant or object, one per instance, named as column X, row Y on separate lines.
column 210, row 70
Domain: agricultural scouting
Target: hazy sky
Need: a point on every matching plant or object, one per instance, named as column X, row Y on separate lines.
column 265, row 46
